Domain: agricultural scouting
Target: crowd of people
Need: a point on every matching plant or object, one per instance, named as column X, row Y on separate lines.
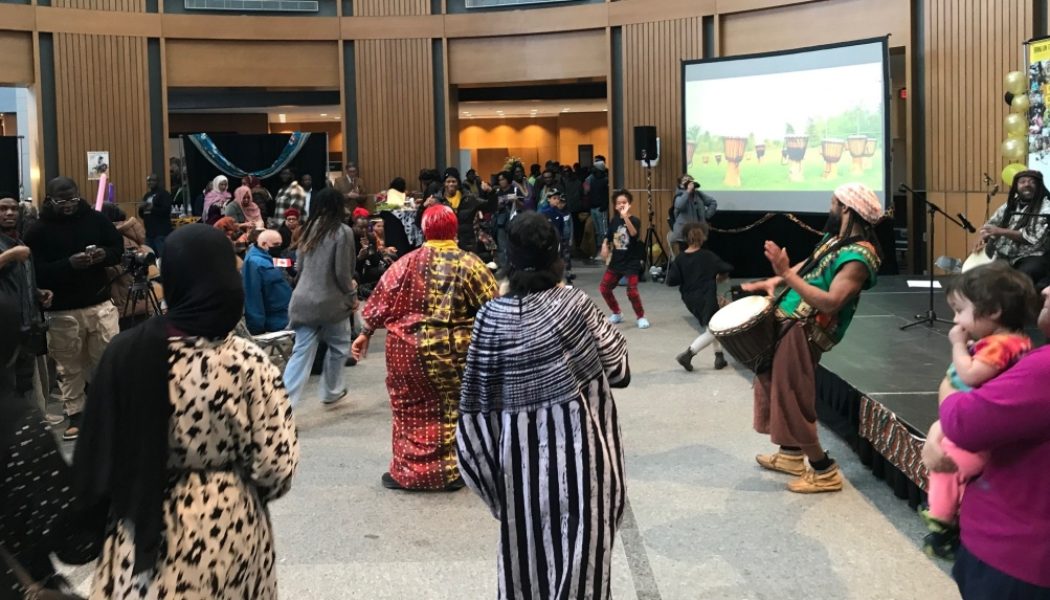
column 176, row 459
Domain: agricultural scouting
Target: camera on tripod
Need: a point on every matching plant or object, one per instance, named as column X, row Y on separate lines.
column 137, row 263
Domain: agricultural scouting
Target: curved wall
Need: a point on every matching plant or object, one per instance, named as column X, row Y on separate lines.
column 101, row 69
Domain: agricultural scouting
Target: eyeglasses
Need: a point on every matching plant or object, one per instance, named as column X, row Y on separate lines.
column 73, row 200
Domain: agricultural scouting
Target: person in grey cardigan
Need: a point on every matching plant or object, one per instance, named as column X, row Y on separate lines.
column 690, row 206
column 323, row 300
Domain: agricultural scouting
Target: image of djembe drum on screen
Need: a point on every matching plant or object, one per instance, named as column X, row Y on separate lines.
column 831, row 149
column 718, row 159
column 760, row 151
column 869, row 151
column 705, row 158
column 734, row 151
column 795, row 146
column 856, row 149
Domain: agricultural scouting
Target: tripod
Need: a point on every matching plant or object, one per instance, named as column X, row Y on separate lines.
column 930, row 318
column 651, row 237
column 140, row 290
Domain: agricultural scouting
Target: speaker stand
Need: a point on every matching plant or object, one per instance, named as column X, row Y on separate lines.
column 651, row 237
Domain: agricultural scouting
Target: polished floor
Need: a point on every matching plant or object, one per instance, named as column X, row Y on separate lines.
column 703, row 520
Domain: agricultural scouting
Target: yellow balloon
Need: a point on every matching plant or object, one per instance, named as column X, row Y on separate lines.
column 1015, row 125
column 1016, row 82
column 1020, row 104
column 1012, row 150
column 1010, row 171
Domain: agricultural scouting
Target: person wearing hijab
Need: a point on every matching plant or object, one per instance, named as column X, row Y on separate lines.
column 187, row 435
column 218, row 196
column 426, row 301
column 823, row 295
column 244, row 210
column 538, row 435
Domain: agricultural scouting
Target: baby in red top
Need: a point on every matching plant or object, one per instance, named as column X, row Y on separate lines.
column 992, row 304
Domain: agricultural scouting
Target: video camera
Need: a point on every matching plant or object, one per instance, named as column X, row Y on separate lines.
column 138, row 263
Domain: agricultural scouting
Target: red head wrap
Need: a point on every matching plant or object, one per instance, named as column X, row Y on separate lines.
column 440, row 223
column 361, row 212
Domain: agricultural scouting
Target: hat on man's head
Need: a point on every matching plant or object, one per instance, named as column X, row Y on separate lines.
column 860, row 199
column 451, row 172
column 554, row 192
column 292, row 212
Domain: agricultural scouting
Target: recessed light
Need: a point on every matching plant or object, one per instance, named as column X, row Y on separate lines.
column 324, row 114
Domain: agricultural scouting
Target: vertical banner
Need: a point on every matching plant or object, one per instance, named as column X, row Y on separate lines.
column 1037, row 95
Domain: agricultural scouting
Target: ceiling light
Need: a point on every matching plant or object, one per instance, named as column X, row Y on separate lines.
column 337, row 117
column 324, row 114
column 282, row 118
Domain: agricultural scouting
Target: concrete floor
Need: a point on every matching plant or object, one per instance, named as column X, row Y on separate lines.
column 703, row 521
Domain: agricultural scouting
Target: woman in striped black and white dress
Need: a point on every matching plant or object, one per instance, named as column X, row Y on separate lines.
column 538, row 435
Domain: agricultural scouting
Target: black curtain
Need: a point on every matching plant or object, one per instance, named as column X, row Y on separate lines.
column 252, row 152
column 744, row 250
column 9, row 164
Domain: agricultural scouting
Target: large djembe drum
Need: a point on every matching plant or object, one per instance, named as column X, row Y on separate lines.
column 706, row 158
column 869, row 151
column 831, row 149
column 795, row 145
column 718, row 159
column 734, row 151
column 760, row 151
column 857, row 144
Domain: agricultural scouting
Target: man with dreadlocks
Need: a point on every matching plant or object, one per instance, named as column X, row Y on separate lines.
column 814, row 312
column 1017, row 232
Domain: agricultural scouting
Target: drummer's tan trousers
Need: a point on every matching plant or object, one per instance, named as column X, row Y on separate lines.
column 786, row 395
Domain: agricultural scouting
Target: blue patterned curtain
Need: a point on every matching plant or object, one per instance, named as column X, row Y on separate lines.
column 211, row 152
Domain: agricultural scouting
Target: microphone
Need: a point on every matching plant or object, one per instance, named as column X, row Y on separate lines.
column 988, row 181
column 969, row 226
column 904, row 188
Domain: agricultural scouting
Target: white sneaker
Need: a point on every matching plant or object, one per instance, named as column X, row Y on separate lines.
column 643, row 323
column 615, row 318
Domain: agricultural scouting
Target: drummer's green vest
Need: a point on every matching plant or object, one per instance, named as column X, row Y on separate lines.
column 827, row 330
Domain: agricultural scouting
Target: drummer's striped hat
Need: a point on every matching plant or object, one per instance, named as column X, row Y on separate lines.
column 861, row 199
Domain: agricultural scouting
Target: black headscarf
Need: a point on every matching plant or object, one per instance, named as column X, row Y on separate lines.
column 122, row 452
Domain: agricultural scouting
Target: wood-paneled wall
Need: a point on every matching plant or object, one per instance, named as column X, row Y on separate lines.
column 970, row 46
column 16, row 58
column 547, row 57
column 115, row 5
column 395, row 109
column 202, row 63
column 102, row 103
column 652, row 55
column 391, row 8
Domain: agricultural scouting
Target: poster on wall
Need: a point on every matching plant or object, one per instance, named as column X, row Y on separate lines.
column 98, row 163
column 1038, row 101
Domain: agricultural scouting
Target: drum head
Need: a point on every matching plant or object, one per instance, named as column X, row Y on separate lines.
column 738, row 313
column 976, row 259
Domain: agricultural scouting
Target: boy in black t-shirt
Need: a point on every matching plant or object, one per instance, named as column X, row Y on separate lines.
column 624, row 253
column 696, row 272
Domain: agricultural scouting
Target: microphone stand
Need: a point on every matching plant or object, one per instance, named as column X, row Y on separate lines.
column 930, row 318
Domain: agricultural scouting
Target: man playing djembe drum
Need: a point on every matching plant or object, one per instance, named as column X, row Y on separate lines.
column 814, row 313
column 1017, row 231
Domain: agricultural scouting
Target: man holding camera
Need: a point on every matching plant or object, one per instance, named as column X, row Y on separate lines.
column 72, row 245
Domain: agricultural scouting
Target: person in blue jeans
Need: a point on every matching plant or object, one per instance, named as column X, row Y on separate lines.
column 324, row 299
column 266, row 290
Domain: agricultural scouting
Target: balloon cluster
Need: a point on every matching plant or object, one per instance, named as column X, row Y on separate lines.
column 1015, row 146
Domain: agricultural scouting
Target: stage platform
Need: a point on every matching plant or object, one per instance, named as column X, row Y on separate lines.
column 878, row 388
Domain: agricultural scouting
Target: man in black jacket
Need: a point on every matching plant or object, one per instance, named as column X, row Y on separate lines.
column 72, row 245
column 155, row 212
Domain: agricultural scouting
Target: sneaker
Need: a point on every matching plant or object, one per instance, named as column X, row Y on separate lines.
column 720, row 361
column 792, row 464
column 492, row 266
column 455, row 485
column 327, row 402
column 615, row 318
column 350, row 362
column 686, row 359
column 51, row 419
column 812, row 482
column 643, row 323
column 71, row 432
column 943, row 539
